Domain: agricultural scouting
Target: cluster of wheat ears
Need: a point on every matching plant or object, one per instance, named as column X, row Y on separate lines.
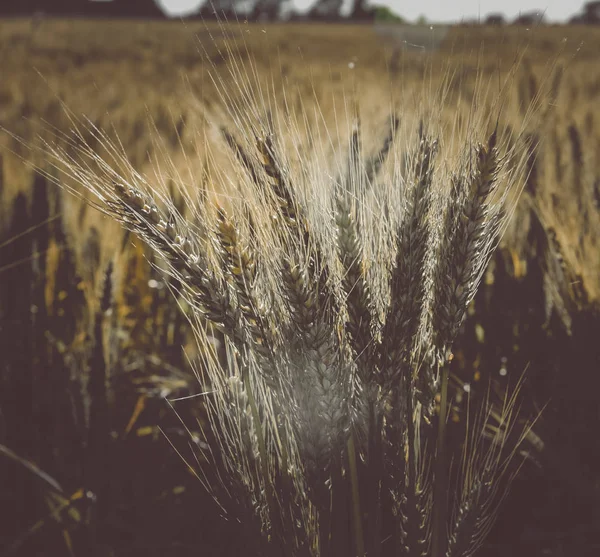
column 337, row 283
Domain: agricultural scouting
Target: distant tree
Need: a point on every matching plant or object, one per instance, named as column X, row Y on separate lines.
column 495, row 19
column 47, row 7
column 223, row 9
column 138, row 8
column 57, row 7
column 362, row 10
column 590, row 15
column 295, row 15
column 536, row 17
column 64, row 8
column 592, row 11
column 421, row 20
column 106, row 8
column 16, row 8
column 384, row 13
column 271, row 10
column 327, row 10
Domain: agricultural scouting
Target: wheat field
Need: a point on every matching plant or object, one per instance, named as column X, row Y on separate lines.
column 95, row 334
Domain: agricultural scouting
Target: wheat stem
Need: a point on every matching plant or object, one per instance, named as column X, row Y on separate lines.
column 356, row 510
column 440, row 486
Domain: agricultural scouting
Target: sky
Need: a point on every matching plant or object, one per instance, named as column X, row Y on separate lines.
column 435, row 10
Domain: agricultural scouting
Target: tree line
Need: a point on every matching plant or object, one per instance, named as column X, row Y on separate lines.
column 254, row 10
column 257, row 10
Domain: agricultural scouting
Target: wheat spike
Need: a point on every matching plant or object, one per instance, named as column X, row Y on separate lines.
column 338, row 309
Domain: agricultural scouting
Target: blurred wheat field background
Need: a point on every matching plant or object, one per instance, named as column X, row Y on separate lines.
column 92, row 340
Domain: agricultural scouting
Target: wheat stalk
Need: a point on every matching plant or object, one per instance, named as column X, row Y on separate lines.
column 338, row 314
